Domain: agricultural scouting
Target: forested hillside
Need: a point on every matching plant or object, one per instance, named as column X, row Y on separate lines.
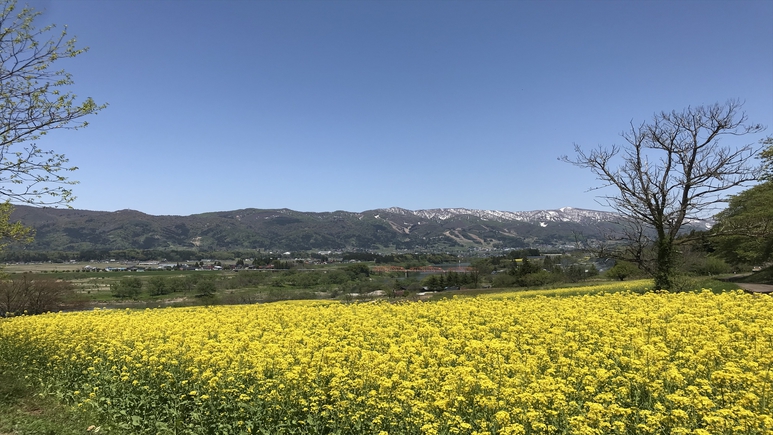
column 283, row 229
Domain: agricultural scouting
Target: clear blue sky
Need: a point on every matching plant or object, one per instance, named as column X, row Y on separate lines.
column 356, row 105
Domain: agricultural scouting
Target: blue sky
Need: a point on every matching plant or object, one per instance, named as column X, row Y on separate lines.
column 356, row 105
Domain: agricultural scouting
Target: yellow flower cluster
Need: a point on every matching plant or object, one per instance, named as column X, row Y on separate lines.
column 690, row 363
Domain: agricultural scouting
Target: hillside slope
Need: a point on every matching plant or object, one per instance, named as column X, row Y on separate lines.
column 284, row 229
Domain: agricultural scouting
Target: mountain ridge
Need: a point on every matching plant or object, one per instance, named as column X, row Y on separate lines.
column 392, row 228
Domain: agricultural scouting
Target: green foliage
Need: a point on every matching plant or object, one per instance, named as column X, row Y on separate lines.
column 709, row 266
column 438, row 282
column 307, row 279
column 523, row 253
column 246, row 279
column 622, row 270
column 481, row 267
column 179, row 284
column 334, row 277
column 127, row 288
column 35, row 100
column 578, row 272
column 278, row 264
column 27, row 409
column 681, row 282
column 504, row 280
column 157, row 286
column 538, row 272
column 766, row 155
column 537, row 279
column 205, row 287
column 419, row 259
column 357, row 271
column 434, row 283
column 745, row 227
column 12, row 231
column 527, row 267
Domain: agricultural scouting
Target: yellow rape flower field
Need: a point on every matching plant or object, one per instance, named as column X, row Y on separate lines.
column 653, row 363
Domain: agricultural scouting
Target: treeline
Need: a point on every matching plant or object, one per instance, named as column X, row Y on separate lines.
column 526, row 268
column 133, row 287
column 534, row 273
column 353, row 278
column 450, row 281
column 23, row 295
column 428, row 258
column 414, row 259
column 518, row 268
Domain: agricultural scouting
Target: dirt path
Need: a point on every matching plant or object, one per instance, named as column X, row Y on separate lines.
column 756, row 288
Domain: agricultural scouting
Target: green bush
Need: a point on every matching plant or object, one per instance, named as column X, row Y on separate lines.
column 157, row 286
column 708, row 266
column 622, row 270
column 205, row 288
column 536, row 279
column 179, row 285
column 127, row 288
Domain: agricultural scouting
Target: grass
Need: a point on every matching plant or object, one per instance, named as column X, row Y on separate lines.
column 26, row 410
column 716, row 285
column 765, row 276
column 587, row 287
column 564, row 289
column 92, row 289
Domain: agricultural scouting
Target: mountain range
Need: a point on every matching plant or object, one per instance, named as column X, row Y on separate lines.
column 393, row 228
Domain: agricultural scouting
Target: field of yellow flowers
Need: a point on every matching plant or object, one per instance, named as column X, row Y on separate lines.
column 687, row 363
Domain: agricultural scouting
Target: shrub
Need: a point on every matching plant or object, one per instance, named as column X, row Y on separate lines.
column 179, row 285
column 622, row 270
column 709, row 266
column 535, row 279
column 157, row 286
column 127, row 288
column 503, row 280
column 205, row 287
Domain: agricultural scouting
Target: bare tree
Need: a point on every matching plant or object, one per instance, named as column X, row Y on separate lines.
column 12, row 297
column 20, row 294
column 671, row 170
column 44, row 295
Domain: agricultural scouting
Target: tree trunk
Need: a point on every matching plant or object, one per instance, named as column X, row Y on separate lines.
column 665, row 264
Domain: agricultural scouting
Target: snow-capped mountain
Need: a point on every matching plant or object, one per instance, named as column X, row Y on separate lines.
column 440, row 229
column 564, row 214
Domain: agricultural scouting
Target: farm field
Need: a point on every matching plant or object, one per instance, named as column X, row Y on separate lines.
column 51, row 267
column 501, row 363
column 177, row 288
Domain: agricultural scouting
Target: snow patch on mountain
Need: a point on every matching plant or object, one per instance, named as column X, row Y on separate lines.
column 564, row 214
